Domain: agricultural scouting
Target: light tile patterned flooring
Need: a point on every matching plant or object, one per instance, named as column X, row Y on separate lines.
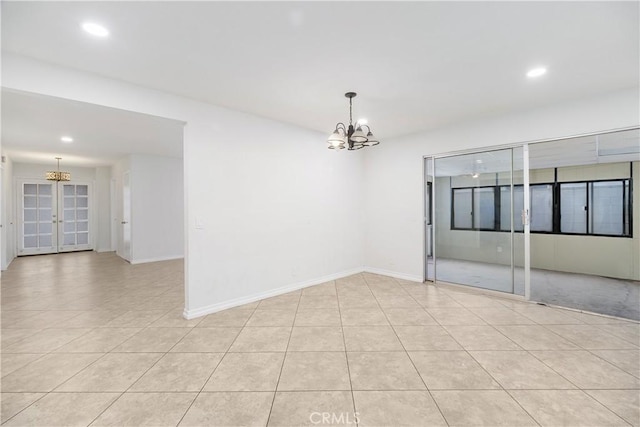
column 88, row 339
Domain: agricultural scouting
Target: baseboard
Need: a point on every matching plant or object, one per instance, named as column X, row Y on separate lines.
column 213, row 308
column 6, row 267
column 165, row 258
column 395, row 274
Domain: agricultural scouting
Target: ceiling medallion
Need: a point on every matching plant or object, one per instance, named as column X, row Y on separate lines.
column 351, row 138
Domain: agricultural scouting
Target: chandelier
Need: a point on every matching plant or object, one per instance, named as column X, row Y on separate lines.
column 57, row 175
column 351, row 138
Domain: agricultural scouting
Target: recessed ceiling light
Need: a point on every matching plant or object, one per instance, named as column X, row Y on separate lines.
column 536, row 72
column 95, row 29
column 66, row 139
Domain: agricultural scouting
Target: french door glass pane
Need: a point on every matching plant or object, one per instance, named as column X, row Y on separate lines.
column 46, row 240
column 30, row 201
column 45, row 201
column 30, row 189
column 30, row 215
column 30, row 229
column 46, row 215
column 82, row 202
column 30, row 242
column 45, row 189
column 69, row 239
column 45, row 228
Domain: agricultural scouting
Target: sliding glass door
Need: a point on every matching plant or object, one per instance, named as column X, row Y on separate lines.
column 473, row 221
column 554, row 221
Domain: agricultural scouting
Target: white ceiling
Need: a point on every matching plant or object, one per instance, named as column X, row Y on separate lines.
column 415, row 65
column 33, row 124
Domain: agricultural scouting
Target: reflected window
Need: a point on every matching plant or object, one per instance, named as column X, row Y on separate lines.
column 541, row 207
column 462, row 211
column 573, row 207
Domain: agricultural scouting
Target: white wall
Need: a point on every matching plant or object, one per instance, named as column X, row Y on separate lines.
column 394, row 175
column 157, row 208
column 117, row 170
column 278, row 210
column 8, row 250
column 102, row 195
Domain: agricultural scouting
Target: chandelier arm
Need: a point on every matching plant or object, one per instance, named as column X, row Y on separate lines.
column 341, row 126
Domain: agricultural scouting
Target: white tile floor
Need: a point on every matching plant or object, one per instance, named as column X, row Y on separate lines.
column 88, row 339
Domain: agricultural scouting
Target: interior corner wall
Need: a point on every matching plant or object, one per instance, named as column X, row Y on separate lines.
column 157, row 208
column 268, row 208
column 394, row 176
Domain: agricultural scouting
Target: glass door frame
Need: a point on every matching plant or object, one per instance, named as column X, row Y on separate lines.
column 428, row 165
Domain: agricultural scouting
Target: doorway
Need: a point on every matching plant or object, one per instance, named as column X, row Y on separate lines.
column 53, row 217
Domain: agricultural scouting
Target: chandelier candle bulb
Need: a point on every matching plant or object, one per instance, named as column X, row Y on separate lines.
column 352, row 137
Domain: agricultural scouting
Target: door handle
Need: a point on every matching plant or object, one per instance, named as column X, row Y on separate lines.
column 124, row 222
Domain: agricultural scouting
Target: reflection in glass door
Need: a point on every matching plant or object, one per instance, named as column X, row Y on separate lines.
column 476, row 234
column 53, row 217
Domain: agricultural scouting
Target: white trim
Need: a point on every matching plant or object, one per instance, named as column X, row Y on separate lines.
column 213, row 308
column 157, row 259
column 397, row 275
column 481, row 291
column 102, row 251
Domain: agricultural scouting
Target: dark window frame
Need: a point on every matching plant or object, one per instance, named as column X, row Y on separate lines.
column 627, row 214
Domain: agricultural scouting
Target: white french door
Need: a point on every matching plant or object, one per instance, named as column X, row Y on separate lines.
column 53, row 217
column 73, row 217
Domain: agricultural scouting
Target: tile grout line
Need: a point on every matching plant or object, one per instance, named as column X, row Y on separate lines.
column 410, row 359
column 346, row 356
column 217, row 364
column 488, row 373
column 284, row 359
column 145, row 372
